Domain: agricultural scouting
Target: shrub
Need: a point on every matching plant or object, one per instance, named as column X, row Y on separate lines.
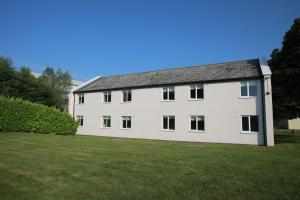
column 23, row 116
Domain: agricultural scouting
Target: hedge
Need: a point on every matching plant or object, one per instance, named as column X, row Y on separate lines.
column 17, row 115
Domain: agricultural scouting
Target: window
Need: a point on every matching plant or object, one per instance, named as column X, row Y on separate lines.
column 196, row 92
column 168, row 122
column 250, row 123
column 80, row 98
column 106, row 97
column 197, row 123
column 80, row 120
column 126, row 96
column 248, row 88
column 168, row 93
column 126, row 122
column 106, row 121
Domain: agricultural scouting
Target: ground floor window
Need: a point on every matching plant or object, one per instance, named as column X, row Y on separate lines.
column 106, row 121
column 168, row 122
column 126, row 122
column 197, row 123
column 250, row 123
column 80, row 120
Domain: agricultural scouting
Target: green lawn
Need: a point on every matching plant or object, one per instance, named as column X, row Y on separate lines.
column 36, row 166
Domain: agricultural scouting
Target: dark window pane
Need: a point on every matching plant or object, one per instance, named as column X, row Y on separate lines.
column 109, row 98
column 171, row 123
column 171, row 95
column 165, row 95
column 200, row 93
column 193, row 123
column 124, row 123
column 81, row 122
column 252, row 90
column 108, row 122
column 201, row 125
column 245, row 124
column 165, row 123
column 244, row 91
column 129, row 123
column 254, row 123
column 129, row 96
column 124, row 96
column 193, row 93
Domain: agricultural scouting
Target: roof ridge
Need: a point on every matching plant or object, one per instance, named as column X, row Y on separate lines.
column 174, row 68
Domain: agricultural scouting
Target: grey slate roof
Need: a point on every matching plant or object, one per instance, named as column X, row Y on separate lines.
column 204, row 73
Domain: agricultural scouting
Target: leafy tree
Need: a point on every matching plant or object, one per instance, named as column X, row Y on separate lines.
column 285, row 65
column 8, row 81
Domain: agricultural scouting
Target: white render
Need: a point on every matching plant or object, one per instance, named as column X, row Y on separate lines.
column 222, row 107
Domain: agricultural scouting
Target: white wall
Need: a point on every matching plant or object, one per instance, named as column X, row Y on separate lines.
column 222, row 108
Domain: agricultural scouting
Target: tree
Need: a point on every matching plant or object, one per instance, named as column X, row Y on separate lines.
column 8, row 81
column 285, row 65
column 61, row 82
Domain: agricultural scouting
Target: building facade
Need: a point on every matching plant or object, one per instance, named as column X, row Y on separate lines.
column 220, row 103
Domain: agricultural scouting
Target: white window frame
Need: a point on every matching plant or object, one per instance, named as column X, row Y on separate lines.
column 248, row 88
column 162, row 123
column 108, row 93
column 126, row 118
column 197, row 116
column 80, row 97
column 122, row 96
column 249, row 123
column 169, row 88
column 79, row 118
column 103, row 117
column 196, row 92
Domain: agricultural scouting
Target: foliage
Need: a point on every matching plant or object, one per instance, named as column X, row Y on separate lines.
column 23, row 116
column 50, row 89
column 285, row 65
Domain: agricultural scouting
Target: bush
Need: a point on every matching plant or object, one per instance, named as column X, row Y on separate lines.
column 23, row 116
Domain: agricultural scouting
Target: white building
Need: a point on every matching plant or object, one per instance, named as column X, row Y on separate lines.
column 221, row 103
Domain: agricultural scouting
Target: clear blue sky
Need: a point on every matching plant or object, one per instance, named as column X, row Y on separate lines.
column 90, row 38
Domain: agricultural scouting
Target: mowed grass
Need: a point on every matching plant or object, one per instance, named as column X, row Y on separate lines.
column 36, row 166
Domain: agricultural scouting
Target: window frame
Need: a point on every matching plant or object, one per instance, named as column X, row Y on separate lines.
column 103, row 117
column 196, row 92
column 127, row 92
column 108, row 93
column 196, row 130
column 169, row 88
column 168, row 117
column 248, row 84
column 249, row 124
column 80, row 119
column 121, row 124
column 81, row 98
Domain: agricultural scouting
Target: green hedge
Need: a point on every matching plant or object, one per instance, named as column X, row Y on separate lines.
column 23, row 116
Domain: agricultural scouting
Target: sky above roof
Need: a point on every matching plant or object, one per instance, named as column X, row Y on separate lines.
column 90, row 38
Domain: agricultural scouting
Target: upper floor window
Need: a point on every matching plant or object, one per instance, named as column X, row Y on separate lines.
column 81, row 98
column 106, row 97
column 126, row 122
column 196, row 91
column 126, row 96
column 168, row 93
column 197, row 123
column 106, row 121
column 248, row 88
column 80, row 120
column 168, row 122
column 250, row 123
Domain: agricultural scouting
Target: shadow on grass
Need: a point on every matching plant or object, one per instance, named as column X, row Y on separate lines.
column 287, row 137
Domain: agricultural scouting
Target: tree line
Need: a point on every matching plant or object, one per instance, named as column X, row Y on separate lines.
column 51, row 88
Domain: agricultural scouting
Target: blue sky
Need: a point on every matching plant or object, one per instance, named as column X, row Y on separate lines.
column 90, row 38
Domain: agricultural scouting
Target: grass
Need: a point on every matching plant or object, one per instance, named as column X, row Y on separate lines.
column 36, row 166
